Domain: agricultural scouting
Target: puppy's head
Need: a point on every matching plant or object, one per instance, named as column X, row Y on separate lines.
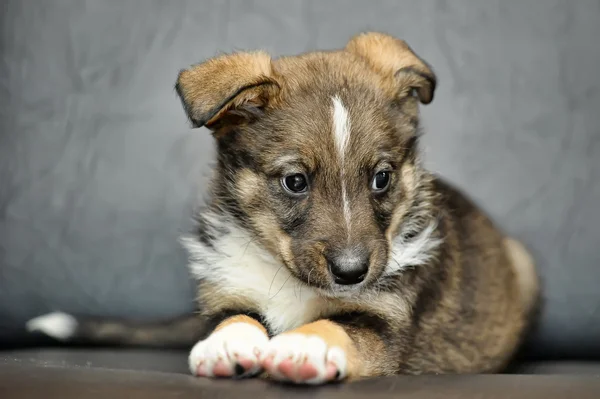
column 316, row 153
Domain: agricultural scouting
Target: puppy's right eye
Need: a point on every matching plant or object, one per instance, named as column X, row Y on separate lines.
column 380, row 182
column 295, row 184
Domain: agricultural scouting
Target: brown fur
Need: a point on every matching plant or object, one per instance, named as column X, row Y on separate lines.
column 464, row 310
column 214, row 303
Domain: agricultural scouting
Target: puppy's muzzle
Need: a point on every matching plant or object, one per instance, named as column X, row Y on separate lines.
column 348, row 267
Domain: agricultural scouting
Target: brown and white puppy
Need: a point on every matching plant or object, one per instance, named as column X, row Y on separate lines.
column 326, row 251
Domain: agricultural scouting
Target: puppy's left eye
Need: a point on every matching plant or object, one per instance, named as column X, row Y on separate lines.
column 380, row 182
column 295, row 184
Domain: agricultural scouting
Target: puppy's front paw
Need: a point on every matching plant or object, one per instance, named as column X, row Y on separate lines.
column 304, row 359
column 232, row 351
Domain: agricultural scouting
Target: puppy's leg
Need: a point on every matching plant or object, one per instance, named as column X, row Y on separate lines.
column 231, row 350
column 325, row 351
column 527, row 278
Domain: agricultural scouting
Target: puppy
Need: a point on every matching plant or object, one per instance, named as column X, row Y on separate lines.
column 326, row 251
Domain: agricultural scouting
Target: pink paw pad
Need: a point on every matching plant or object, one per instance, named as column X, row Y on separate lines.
column 304, row 359
column 221, row 370
column 201, row 370
column 307, row 371
column 296, row 372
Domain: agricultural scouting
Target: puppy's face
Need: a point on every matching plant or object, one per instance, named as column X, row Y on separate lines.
column 316, row 154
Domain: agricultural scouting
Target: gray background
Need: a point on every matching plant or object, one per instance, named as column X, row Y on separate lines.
column 99, row 169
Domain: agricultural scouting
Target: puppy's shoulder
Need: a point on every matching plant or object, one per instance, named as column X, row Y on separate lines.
column 453, row 198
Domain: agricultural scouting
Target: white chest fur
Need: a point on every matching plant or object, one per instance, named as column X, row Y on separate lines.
column 240, row 267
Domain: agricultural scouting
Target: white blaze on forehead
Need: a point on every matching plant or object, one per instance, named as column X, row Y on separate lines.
column 341, row 134
column 341, row 126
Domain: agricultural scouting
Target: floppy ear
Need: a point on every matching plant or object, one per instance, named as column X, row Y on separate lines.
column 229, row 89
column 393, row 58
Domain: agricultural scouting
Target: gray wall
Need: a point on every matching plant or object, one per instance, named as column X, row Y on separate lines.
column 99, row 169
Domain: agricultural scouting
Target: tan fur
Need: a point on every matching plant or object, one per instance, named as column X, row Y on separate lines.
column 284, row 248
column 203, row 88
column 388, row 55
column 240, row 319
column 408, row 180
column 524, row 267
column 210, row 295
column 249, row 186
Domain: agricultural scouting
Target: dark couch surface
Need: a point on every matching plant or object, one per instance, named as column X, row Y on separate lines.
column 99, row 168
column 162, row 374
column 175, row 361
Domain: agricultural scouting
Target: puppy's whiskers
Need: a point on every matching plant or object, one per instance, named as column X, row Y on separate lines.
column 272, row 281
column 282, row 285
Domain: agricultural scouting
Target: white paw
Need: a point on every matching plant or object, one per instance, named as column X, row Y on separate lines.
column 57, row 325
column 232, row 351
column 304, row 359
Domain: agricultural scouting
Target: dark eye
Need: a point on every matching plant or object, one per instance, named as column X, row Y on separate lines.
column 380, row 182
column 295, row 184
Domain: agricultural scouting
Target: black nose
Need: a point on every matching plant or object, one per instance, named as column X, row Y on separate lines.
column 348, row 269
